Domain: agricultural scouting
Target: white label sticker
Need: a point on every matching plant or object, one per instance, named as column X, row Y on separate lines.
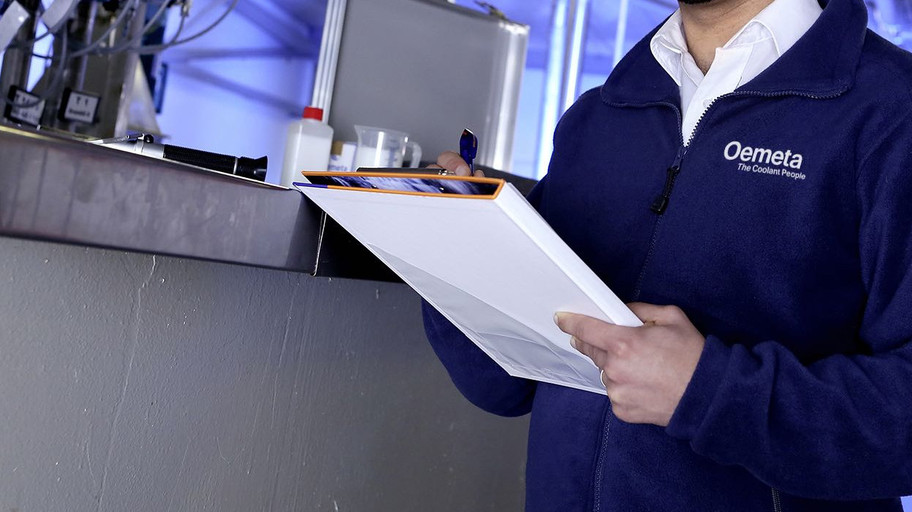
column 26, row 108
column 80, row 107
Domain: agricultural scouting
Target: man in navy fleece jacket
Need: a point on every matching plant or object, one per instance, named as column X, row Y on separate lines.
column 744, row 179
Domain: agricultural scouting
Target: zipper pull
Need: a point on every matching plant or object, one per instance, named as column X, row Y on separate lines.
column 661, row 202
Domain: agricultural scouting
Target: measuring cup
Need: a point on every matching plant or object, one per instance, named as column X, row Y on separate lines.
column 380, row 147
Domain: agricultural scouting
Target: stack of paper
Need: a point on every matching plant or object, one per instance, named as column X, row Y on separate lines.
column 476, row 250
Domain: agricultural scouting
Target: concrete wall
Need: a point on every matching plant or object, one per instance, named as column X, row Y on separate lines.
column 144, row 383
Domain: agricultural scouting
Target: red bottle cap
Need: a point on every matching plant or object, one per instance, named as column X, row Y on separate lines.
column 313, row 113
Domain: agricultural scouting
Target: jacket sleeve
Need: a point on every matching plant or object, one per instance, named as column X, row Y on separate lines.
column 482, row 381
column 839, row 428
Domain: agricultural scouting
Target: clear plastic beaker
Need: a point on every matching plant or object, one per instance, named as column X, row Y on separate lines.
column 380, row 147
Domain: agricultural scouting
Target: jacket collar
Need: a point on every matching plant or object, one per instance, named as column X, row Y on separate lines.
column 821, row 64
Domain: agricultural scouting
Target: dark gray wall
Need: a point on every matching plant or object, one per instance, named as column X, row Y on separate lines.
column 146, row 383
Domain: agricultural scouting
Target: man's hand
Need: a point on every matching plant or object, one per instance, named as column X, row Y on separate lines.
column 644, row 369
column 454, row 163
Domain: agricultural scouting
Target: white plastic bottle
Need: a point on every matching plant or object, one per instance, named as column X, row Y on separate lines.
column 307, row 146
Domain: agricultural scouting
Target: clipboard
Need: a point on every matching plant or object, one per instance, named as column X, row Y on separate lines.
column 479, row 253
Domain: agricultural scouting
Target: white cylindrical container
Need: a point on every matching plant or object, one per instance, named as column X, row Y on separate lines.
column 342, row 156
column 307, row 146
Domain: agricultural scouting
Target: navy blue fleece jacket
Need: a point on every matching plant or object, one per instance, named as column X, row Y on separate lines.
column 787, row 240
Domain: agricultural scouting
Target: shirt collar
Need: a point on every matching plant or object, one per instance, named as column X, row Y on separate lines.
column 788, row 20
column 783, row 21
column 669, row 47
column 822, row 63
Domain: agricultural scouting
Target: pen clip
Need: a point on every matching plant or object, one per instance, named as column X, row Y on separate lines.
column 468, row 148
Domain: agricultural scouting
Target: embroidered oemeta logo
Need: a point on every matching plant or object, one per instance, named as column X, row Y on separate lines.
column 765, row 161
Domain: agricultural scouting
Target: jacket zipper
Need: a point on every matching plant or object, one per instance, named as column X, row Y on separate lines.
column 661, row 202
column 600, row 462
column 777, row 504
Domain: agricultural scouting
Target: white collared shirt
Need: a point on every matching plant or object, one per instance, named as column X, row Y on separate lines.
column 757, row 45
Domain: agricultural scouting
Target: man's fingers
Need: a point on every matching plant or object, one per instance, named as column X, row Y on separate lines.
column 598, row 356
column 451, row 161
column 581, row 326
column 602, row 335
column 454, row 163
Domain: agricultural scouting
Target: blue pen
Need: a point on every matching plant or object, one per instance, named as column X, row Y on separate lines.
column 468, row 148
